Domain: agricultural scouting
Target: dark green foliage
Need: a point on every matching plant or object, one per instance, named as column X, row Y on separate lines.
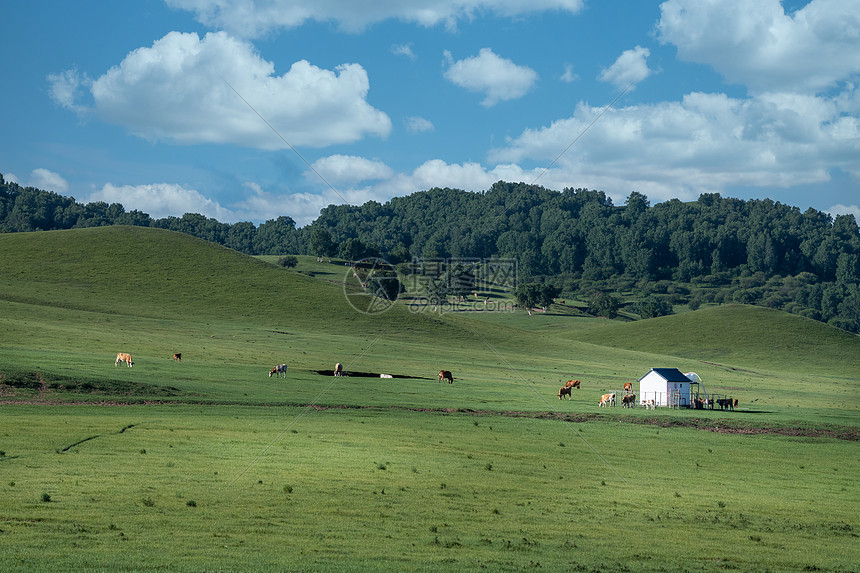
column 603, row 304
column 535, row 295
column 722, row 245
column 288, row 261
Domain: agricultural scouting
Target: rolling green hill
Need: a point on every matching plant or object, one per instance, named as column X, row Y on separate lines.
column 739, row 335
column 69, row 300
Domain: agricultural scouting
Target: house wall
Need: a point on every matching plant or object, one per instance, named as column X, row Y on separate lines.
column 652, row 386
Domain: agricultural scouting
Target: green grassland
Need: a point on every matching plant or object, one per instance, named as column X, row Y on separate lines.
column 211, row 465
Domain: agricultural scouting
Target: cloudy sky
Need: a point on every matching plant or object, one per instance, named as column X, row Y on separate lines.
column 245, row 110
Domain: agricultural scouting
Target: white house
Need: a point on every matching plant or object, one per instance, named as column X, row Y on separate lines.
column 666, row 386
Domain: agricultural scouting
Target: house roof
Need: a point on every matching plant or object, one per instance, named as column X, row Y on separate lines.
column 669, row 374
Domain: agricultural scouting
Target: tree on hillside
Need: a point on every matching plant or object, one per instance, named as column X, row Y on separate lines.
column 535, row 295
column 603, row 304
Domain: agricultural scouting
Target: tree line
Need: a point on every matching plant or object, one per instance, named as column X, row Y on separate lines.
column 713, row 250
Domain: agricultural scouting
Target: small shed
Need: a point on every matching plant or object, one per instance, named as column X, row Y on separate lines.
column 666, row 386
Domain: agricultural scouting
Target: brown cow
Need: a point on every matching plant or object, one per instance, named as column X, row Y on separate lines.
column 628, row 387
column 628, row 401
column 572, row 384
column 446, row 375
column 178, row 357
column 123, row 357
column 565, row 391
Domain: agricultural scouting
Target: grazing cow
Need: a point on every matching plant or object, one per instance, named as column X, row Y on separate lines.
column 607, row 400
column 628, row 401
column 648, row 404
column 281, row 369
column 628, row 387
column 572, row 384
column 445, row 375
column 178, row 357
column 565, row 391
column 386, row 376
column 726, row 404
column 123, row 357
column 735, row 404
column 338, row 369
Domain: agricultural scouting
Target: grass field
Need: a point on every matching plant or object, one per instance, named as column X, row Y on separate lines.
column 210, row 465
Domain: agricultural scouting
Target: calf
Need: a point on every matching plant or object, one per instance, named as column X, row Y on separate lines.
column 178, row 357
column 123, row 357
column 648, row 404
column 607, row 400
column 565, row 391
column 386, row 376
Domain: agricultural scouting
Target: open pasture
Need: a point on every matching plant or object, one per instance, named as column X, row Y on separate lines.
column 209, row 464
column 238, row 488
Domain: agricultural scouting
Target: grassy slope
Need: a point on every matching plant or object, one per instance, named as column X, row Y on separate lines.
column 386, row 488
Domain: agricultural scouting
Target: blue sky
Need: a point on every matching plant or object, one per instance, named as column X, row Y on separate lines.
column 251, row 109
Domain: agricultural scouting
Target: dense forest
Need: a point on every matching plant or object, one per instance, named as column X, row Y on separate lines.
column 713, row 250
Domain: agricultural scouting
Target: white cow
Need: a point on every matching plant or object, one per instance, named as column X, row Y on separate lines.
column 281, row 369
column 123, row 357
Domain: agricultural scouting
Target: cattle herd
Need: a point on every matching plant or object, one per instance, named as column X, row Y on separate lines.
column 628, row 400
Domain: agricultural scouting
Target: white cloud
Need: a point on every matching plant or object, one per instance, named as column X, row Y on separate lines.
column 498, row 78
column 569, row 76
column 845, row 210
column 177, row 91
column 403, row 50
column 416, row 124
column 252, row 18
column 161, row 200
column 703, row 143
column 48, row 181
column 631, row 67
column 755, row 43
column 65, row 88
column 349, row 170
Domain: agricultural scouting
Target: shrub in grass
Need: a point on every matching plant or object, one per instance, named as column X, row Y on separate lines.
column 289, row 261
column 191, row 503
column 46, row 498
column 147, row 501
column 380, row 466
column 288, row 489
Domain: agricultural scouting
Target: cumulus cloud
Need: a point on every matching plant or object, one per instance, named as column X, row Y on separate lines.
column 499, row 79
column 631, row 67
column 161, row 200
column 757, row 44
column 178, row 91
column 845, row 210
column 703, row 143
column 349, row 170
column 48, row 181
column 252, row 18
column 416, row 124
